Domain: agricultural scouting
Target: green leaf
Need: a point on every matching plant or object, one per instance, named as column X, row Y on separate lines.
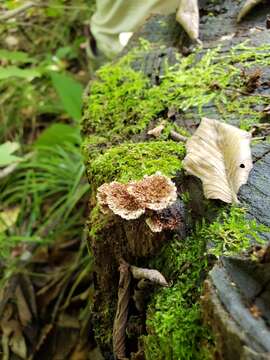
column 58, row 134
column 70, row 92
column 16, row 56
column 6, row 151
column 10, row 71
column 65, row 52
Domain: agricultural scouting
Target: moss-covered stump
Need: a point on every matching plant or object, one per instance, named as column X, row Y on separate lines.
column 236, row 296
column 151, row 84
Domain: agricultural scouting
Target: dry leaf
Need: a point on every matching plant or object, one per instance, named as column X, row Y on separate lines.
column 219, row 154
column 188, row 16
column 249, row 5
column 24, row 312
column 18, row 345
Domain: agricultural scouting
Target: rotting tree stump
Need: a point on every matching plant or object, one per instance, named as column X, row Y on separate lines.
column 129, row 97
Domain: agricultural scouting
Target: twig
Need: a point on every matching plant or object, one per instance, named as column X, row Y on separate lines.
column 258, row 138
column 120, row 320
column 178, row 137
column 245, row 93
column 149, row 274
column 13, row 13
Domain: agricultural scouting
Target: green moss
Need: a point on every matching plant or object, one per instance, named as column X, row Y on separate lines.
column 97, row 222
column 131, row 161
column 123, row 102
column 174, row 318
column 231, row 232
column 120, row 102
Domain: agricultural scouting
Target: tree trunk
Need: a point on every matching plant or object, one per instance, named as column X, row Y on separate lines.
column 155, row 81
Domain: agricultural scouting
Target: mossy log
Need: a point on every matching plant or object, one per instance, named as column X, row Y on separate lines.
column 155, row 81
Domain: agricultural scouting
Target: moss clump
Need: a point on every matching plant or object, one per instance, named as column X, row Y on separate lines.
column 174, row 318
column 123, row 102
column 231, row 232
column 120, row 102
column 131, row 161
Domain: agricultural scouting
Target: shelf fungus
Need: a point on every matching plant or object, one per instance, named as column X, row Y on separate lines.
column 219, row 154
column 171, row 218
column 129, row 201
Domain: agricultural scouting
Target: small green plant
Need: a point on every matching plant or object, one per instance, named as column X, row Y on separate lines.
column 232, row 232
column 39, row 88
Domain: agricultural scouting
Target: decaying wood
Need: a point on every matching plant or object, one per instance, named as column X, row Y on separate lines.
column 124, row 290
column 134, row 241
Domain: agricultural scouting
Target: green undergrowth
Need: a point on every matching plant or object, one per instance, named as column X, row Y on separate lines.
column 43, row 70
column 174, row 322
column 123, row 102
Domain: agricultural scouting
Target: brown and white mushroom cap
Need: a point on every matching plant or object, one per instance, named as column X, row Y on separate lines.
column 102, row 193
column 129, row 201
column 155, row 192
column 119, row 201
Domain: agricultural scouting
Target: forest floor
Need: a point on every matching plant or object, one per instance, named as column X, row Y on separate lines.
column 45, row 267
